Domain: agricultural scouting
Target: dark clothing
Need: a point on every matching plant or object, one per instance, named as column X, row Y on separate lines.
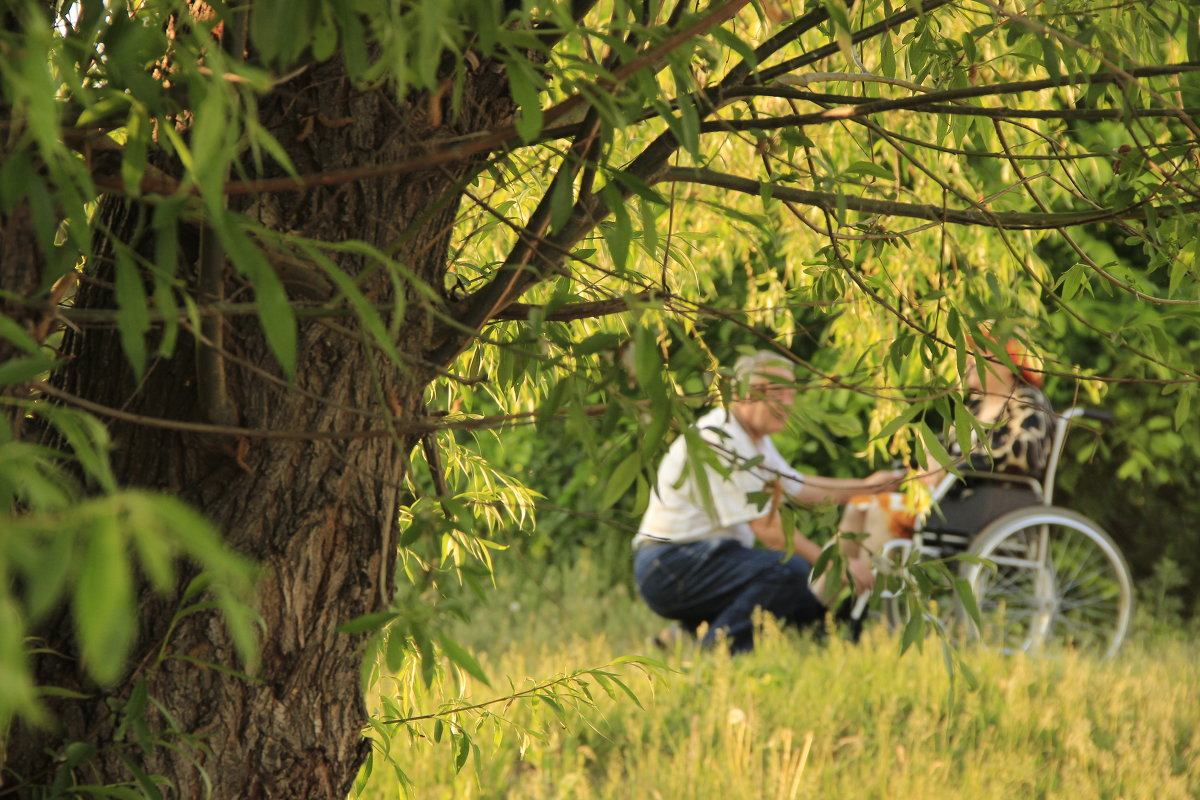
column 1019, row 443
column 721, row 582
column 1020, row 439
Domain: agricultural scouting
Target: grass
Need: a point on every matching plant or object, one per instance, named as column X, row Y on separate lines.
column 797, row 719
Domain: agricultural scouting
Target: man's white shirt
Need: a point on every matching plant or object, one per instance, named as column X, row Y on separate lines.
column 677, row 511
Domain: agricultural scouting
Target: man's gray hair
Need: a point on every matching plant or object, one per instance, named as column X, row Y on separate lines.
column 747, row 367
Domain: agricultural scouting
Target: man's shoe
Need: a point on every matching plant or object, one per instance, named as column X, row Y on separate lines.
column 672, row 635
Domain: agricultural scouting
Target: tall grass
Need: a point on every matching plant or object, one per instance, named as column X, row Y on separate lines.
column 800, row 719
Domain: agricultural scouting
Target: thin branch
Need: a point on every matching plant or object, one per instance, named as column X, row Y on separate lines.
column 920, row 105
column 894, row 21
column 533, row 691
column 967, row 92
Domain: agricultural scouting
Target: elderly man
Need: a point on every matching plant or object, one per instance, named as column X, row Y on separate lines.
column 695, row 559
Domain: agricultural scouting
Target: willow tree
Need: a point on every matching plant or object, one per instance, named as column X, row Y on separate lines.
column 259, row 256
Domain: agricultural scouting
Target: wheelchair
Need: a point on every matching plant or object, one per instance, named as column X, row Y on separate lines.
column 1041, row 576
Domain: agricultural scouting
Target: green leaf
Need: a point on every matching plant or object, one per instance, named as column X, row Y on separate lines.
column 133, row 312
column 16, row 335
column 870, row 168
column 397, row 650
column 639, row 187
column 653, row 434
column 649, row 228
column 914, row 629
column 88, row 439
column 103, row 602
column 16, row 371
column 461, row 657
column 137, row 139
column 366, row 312
column 619, row 233
column 271, row 300
column 19, row 695
column 597, row 342
column 906, row 416
column 166, row 261
column 155, row 551
column 827, row 555
column 1183, row 408
column 620, row 684
column 887, row 56
column 211, row 147
column 462, row 746
column 16, row 174
column 934, row 446
column 324, row 37
column 964, row 424
column 523, row 83
column 735, row 43
column 425, row 648
column 966, row 598
column 620, row 480
column 367, row 622
column 55, row 562
column 353, row 38
column 648, row 366
column 561, row 199
column 265, row 30
column 228, row 576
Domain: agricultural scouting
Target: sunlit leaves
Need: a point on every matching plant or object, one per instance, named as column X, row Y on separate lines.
column 463, row 721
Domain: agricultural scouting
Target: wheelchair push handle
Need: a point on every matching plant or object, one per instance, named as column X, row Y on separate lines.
column 1088, row 413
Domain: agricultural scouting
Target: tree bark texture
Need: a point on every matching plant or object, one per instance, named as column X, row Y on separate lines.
column 317, row 515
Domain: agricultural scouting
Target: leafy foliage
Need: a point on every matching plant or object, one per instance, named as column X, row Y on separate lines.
column 638, row 190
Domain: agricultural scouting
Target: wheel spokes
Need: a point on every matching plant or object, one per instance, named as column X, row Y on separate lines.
column 1054, row 581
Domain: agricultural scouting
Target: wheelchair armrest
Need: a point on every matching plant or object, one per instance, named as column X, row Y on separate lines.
column 1087, row 413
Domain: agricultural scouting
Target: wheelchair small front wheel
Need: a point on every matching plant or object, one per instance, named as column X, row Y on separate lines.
column 1053, row 579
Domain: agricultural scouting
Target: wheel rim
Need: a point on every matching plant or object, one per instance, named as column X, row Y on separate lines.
column 1058, row 581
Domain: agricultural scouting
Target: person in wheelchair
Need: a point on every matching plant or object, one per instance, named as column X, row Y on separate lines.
column 1010, row 405
column 695, row 559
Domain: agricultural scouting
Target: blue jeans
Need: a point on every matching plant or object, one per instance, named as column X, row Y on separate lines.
column 720, row 582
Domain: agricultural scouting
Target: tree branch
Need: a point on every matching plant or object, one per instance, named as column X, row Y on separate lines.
column 516, row 276
column 1008, row 220
column 572, row 311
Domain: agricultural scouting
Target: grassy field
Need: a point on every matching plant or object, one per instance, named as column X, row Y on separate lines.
column 796, row 719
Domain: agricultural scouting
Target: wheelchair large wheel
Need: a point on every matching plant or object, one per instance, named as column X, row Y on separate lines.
column 1058, row 580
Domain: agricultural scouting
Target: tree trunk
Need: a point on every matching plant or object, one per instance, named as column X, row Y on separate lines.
column 317, row 515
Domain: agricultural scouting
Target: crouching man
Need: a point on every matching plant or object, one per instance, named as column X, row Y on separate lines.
column 695, row 558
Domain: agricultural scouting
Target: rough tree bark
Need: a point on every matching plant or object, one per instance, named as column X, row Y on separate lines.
column 318, row 516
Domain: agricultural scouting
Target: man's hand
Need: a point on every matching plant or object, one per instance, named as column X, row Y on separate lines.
column 862, row 575
column 885, row 480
